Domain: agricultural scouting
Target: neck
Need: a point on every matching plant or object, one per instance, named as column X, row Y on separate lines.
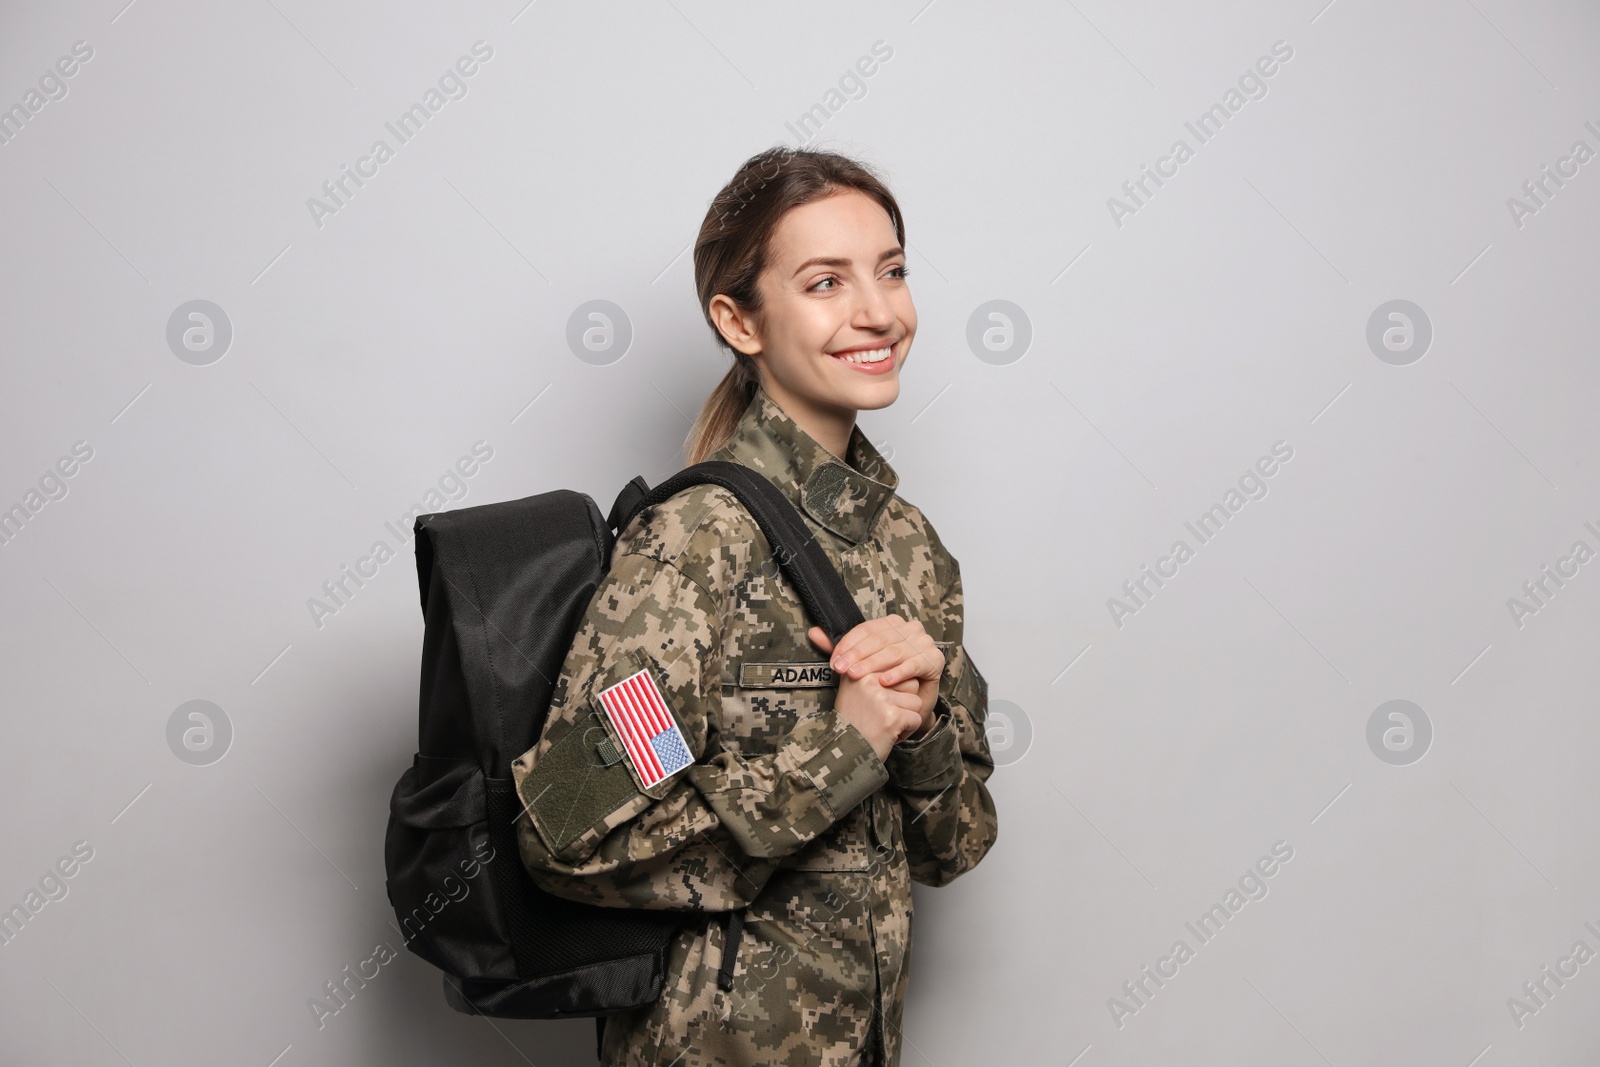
column 826, row 424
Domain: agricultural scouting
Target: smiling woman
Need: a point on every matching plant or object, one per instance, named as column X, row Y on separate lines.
column 829, row 333
column 813, row 782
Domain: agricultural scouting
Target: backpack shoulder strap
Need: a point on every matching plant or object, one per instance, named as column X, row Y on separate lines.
column 827, row 599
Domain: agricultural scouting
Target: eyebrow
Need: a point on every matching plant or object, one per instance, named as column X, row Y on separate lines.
column 835, row 261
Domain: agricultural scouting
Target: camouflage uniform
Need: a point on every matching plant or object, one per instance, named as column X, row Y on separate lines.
column 787, row 812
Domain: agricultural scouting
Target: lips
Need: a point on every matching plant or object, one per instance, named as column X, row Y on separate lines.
column 878, row 360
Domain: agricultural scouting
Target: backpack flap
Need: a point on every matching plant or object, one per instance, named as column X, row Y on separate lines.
column 511, row 622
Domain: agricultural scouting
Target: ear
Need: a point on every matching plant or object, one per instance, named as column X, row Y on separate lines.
column 738, row 327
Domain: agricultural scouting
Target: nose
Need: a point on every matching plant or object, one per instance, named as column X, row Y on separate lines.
column 873, row 309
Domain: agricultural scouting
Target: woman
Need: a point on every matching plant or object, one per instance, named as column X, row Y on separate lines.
column 823, row 780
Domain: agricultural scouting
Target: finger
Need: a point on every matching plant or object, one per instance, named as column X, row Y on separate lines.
column 932, row 656
column 905, row 685
column 886, row 646
column 860, row 640
column 875, row 662
column 904, row 702
column 920, row 660
column 819, row 637
column 884, row 628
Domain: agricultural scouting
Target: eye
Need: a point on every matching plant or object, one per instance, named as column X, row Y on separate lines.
column 904, row 271
column 818, row 285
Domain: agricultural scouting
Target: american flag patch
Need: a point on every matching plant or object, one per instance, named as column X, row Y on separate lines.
column 650, row 736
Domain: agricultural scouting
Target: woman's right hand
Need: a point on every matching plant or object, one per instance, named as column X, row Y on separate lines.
column 885, row 716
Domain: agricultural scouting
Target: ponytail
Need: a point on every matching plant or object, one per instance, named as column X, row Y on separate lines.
column 713, row 428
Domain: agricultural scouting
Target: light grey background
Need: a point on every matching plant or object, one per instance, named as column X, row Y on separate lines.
column 1227, row 313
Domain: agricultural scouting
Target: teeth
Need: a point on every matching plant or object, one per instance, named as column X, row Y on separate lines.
column 877, row 355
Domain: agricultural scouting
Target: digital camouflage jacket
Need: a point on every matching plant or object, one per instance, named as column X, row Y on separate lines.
column 786, row 811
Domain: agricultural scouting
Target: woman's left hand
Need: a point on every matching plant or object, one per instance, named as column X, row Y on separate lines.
column 894, row 648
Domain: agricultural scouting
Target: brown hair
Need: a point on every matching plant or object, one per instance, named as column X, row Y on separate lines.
column 731, row 252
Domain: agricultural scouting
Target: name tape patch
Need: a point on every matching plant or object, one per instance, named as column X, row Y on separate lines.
column 786, row 675
column 651, row 740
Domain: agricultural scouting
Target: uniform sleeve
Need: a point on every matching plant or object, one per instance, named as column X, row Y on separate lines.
column 707, row 836
column 948, row 815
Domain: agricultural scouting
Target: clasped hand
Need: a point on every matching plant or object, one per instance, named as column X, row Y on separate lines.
column 889, row 670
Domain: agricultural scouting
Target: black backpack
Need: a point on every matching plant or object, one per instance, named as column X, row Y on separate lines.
column 504, row 588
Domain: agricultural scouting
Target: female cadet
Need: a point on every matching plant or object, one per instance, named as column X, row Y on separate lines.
column 819, row 782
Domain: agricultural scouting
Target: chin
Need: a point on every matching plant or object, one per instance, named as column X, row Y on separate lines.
column 872, row 396
column 859, row 392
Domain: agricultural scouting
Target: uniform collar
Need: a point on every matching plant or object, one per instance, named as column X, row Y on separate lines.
column 844, row 496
